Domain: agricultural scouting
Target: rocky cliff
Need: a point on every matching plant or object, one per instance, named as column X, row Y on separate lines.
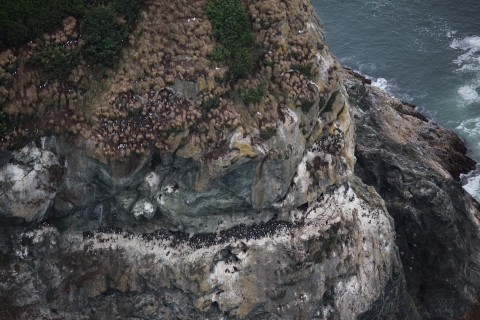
column 179, row 195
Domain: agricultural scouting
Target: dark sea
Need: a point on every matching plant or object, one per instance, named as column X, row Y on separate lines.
column 422, row 51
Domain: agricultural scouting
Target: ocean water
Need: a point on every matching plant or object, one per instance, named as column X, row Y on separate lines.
column 424, row 52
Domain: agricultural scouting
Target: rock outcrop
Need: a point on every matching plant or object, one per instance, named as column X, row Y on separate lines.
column 242, row 210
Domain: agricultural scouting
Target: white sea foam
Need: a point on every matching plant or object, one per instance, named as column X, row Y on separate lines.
column 468, row 63
column 473, row 185
column 469, row 93
column 451, row 33
column 471, row 127
column 471, row 46
column 381, row 83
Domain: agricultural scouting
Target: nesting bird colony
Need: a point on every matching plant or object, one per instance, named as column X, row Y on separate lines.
column 165, row 88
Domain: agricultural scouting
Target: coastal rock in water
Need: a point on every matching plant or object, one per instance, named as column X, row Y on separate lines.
column 436, row 221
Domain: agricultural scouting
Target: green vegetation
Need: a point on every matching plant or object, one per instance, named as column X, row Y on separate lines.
column 331, row 100
column 169, row 131
column 252, row 95
column 295, row 54
column 130, row 9
column 306, row 105
column 8, row 122
column 104, row 36
column 232, row 29
column 3, row 122
column 219, row 53
column 24, row 20
column 56, row 62
column 210, row 103
column 268, row 63
column 306, row 68
column 328, row 244
column 268, row 133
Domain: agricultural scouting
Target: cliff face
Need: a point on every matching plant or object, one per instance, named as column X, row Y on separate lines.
column 259, row 217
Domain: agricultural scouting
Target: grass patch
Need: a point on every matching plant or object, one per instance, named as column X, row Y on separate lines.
column 219, row 53
column 295, row 54
column 24, row 20
column 232, row 29
column 172, row 130
column 4, row 123
column 130, row 9
column 328, row 244
column 268, row 63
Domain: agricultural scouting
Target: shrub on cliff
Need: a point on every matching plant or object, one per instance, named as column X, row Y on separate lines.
column 232, row 29
column 128, row 8
column 253, row 95
column 56, row 62
column 103, row 35
column 24, row 20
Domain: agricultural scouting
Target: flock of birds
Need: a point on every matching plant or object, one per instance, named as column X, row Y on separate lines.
column 196, row 241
